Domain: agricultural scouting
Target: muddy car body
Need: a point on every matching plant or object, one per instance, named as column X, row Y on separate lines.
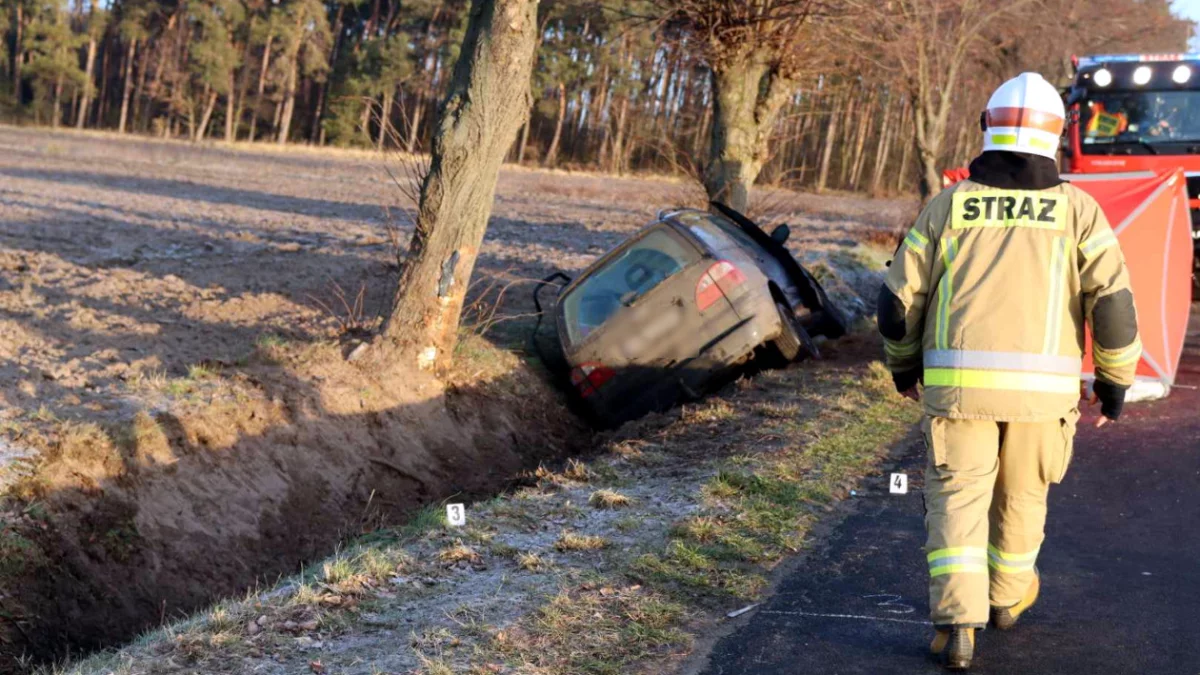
column 688, row 298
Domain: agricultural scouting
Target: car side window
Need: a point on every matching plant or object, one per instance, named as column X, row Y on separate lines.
column 708, row 231
column 734, row 232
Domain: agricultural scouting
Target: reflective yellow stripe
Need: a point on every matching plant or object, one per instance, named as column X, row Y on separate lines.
column 999, row 379
column 1004, row 139
column 957, row 559
column 949, row 569
column 1098, row 243
column 1013, row 557
column 946, row 290
column 1040, row 144
column 1115, row 359
column 916, row 241
column 1008, row 569
column 901, row 349
column 955, row 552
column 1054, row 305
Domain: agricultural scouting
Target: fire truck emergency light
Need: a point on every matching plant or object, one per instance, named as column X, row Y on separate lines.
column 1181, row 75
column 1103, row 77
column 1141, row 75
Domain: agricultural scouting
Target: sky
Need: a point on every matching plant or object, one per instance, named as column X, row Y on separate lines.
column 1191, row 10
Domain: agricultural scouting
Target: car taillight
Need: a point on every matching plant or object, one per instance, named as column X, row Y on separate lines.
column 589, row 377
column 719, row 280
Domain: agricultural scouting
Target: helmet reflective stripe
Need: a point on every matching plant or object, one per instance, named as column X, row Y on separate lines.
column 1024, row 117
column 1025, row 114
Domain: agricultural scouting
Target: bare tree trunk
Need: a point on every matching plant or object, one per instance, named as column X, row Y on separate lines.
column 18, row 51
column 262, row 86
column 414, row 125
column 524, row 140
column 243, row 83
column 596, row 123
column 102, row 100
column 231, row 110
column 618, row 146
column 156, row 80
column 488, row 101
column 902, row 173
column 827, row 151
column 701, row 134
column 385, row 113
column 140, row 88
column 127, row 91
column 552, row 153
column 57, row 112
column 845, row 146
column 201, row 130
column 884, row 149
column 747, row 97
column 930, row 133
column 317, row 135
column 960, row 146
column 864, row 130
column 289, row 101
column 89, row 72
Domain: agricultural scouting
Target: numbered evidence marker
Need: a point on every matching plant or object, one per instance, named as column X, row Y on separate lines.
column 898, row 485
column 456, row 515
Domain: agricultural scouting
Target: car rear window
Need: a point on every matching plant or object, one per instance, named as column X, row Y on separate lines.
column 627, row 276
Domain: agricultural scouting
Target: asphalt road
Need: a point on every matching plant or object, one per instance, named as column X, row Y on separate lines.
column 1120, row 570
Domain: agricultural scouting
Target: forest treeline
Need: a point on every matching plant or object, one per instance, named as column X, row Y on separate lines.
column 865, row 95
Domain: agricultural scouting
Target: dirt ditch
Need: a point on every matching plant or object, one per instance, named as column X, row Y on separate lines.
column 123, row 526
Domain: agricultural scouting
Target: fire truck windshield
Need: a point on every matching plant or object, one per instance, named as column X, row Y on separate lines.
column 1149, row 120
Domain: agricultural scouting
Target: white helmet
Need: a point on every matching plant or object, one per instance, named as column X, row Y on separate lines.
column 1025, row 114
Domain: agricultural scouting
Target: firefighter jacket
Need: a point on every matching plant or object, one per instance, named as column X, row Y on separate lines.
column 988, row 296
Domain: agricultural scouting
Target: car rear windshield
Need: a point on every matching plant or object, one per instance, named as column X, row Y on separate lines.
column 633, row 272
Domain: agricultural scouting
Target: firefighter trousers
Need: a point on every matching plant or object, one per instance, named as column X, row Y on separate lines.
column 986, row 485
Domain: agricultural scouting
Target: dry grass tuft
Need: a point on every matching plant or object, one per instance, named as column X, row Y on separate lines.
column 459, row 552
column 609, row 499
column 571, row 541
column 577, row 471
column 574, row 473
column 703, row 529
column 435, row 665
column 712, row 412
column 532, row 562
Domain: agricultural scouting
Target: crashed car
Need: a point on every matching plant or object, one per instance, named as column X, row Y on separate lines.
column 687, row 299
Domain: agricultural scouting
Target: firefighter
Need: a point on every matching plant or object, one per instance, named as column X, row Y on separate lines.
column 1104, row 124
column 985, row 304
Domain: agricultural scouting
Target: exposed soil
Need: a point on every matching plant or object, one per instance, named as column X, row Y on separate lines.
column 178, row 417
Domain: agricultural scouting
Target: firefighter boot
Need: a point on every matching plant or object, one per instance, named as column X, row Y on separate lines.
column 955, row 646
column 1005, row 618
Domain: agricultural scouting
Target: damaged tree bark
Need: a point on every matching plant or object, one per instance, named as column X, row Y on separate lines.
column 748, row 94
column 488, row 102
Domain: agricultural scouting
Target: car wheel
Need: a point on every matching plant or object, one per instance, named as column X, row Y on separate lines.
column 793, row 341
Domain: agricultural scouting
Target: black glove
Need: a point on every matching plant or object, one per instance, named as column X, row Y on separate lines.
column 1112, row 398
column 907, row 380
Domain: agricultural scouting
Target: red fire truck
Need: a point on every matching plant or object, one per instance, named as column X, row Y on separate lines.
column 1135, row 113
